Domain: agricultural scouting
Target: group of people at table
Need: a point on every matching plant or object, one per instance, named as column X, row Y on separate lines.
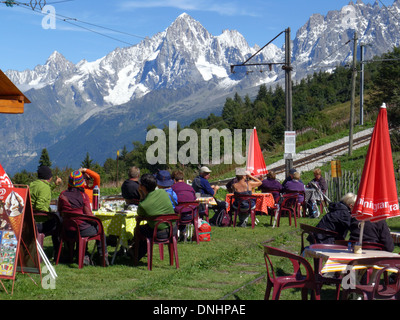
column 153, row 194
column 160, row 193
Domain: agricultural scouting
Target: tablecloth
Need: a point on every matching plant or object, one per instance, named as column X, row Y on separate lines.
column 120, row 224
column 263, row 202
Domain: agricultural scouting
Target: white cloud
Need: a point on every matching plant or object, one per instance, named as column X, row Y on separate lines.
column 220, row 7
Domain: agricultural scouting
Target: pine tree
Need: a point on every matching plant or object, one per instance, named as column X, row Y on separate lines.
column 44, row 158
column 87, row 162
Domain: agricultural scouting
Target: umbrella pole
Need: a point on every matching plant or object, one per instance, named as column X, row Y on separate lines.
column 361, row 232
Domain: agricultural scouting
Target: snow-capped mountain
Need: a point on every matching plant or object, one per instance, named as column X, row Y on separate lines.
column 182, row 55
column 181, row 73
column 323, row 41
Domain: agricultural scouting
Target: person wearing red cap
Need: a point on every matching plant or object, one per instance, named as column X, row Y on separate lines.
column 75, row 200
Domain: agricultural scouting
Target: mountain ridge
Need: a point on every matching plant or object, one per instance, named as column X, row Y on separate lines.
column 179, row 74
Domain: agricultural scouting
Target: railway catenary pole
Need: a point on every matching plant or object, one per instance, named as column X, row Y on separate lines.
column 287, row 67
column 288, row 93
column 353, row 94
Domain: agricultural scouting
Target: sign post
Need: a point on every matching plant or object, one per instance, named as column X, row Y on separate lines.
column 18, row 247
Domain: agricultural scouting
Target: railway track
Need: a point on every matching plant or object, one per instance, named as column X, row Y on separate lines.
column 314, row 157
column 330, row 152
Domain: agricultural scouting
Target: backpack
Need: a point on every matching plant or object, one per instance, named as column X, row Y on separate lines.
column 313, row 210
column 204, row 231
column 221, row 218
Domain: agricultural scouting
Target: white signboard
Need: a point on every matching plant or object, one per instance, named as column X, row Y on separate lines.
column 290, row 144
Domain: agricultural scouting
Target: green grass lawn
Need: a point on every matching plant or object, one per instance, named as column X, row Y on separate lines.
column 230, row 267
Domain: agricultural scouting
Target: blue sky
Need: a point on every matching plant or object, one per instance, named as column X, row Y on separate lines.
column 25, row 43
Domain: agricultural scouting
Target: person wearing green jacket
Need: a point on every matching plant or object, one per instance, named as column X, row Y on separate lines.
column 40, row 191
column 155, row 202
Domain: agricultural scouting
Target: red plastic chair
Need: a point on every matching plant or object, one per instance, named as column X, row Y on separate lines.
column 171, row 241
column 70, row 223
column 190, row 210
column 313, row 231
column 379, row 286
column 252, row 211
column 289, row 205
column 295, row 280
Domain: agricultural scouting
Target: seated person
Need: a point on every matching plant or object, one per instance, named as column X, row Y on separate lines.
column 290, row 176
column 164, row 181
column 319, row 181
column 130, row 187
column 337, row 219
column 155, row 202
column 40, row 191
column 271, row 185
column 377, row 232
column 185, row 193
column 201, row 185
column 245, row 183
column 75, row 200
column 295, row 185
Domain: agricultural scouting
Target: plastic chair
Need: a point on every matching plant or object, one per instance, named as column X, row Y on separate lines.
column 190, row 210
column 251, row 210
column 365, row 245
column 295, row 280
column 70, row 223
column 171, row 241
column 379, row 286
column 289, row 205
column 313, row 231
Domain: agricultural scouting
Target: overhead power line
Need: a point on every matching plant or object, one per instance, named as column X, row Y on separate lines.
column 37, row 6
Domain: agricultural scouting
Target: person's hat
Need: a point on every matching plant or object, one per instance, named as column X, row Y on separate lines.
column 242, row 172
column 164, row 178
column 204, row 169
column 293, row 170
column 44, row 173
column 76, row 179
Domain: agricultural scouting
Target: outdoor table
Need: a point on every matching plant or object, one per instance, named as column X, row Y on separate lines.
column 263, row 202
column 336, row 260
column 118, row 223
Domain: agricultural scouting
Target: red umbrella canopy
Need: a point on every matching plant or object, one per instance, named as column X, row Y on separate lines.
column 255, row 159
column 377, row 195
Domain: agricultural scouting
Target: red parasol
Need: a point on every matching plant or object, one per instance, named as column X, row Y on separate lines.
column 255, row 159
column 377, row 194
